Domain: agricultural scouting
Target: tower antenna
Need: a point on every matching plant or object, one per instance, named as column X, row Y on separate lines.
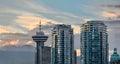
column 40, row 25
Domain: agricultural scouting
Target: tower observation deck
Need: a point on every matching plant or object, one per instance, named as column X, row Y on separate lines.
column 39, row 38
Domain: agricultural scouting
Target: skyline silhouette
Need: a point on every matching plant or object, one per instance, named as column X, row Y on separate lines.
column 19, row 20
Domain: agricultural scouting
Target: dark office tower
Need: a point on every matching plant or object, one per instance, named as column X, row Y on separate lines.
column 39, row 38
column 94, row 43
column 46, row 55
column 62, row 45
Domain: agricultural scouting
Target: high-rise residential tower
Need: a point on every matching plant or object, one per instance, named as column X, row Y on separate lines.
column 62, row 44
column 94, row 43
column 39, row 38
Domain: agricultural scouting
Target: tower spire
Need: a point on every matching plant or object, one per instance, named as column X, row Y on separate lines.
column 115, row 50
column 40, row 25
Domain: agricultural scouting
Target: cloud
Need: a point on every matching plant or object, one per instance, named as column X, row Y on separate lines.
column 29, row 43
column 26, row 38
column 3, row 29
column 9, row 29
column 70, row 15
column 27, row 5
column 31, row 21
column 76, row 29
column 112, row 5
column 15, row 39
column 11, row 10
column 109, row 14
column 14, row 42
column 20, row 38
column 27, row 14
column 5, row 43
column 110, row 11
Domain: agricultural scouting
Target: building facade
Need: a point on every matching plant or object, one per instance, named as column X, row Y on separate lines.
column 94, row 43
column 46, row 55
column 62, row 44
column 115, row 62
column 115, row 58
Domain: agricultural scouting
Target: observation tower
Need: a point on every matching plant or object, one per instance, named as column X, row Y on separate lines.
column 39, row 38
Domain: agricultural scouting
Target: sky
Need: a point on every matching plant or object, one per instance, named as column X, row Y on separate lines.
column 19, row 18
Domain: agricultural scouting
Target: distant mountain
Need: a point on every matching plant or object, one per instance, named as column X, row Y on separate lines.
column 18, row 48
column 17, row 54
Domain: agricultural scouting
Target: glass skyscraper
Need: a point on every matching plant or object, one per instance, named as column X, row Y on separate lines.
column 62, row 44
column 94, row 43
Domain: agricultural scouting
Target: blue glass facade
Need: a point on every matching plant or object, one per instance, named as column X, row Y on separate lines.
column 94, row 43
column 62, row 45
